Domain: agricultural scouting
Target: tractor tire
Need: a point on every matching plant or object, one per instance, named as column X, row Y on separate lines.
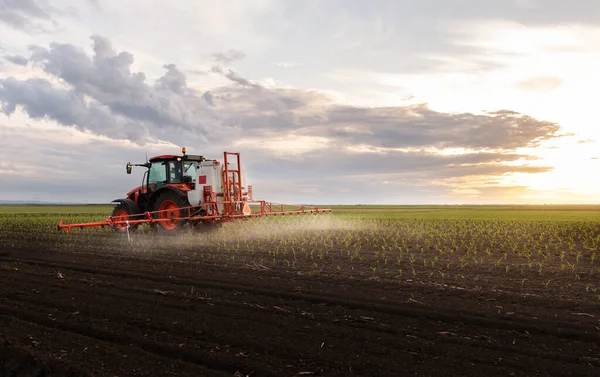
column 170, row 202
column 123, row 212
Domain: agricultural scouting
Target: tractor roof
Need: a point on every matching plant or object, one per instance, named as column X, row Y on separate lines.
column 166, row 157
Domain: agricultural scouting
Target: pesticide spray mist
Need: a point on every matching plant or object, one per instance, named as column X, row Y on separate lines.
column 265, row 230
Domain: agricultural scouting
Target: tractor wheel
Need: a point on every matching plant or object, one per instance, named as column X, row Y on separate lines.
column 121, row 212
column 169, row 202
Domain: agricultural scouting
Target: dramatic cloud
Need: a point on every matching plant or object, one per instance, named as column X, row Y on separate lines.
column 301, row 136
column 417, row 126
column 105, row 83
column 104, row 96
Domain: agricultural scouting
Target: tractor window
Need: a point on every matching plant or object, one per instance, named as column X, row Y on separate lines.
column 158, row 172
column 189, row 169
column 175, row 172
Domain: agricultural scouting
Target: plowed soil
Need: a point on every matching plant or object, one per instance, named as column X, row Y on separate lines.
column 91, row 313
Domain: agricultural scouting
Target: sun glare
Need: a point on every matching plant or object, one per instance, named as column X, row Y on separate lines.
column 546, row 73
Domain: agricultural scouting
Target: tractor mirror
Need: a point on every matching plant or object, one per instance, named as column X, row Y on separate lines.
column 129, row 168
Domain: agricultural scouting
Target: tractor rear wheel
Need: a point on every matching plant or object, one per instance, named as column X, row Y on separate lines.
column 169, row 203
column 123, row 212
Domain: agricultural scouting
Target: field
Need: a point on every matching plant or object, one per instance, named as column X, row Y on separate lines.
column 365, row 291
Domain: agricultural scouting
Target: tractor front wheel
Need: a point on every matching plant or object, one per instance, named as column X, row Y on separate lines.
column 169, row 204
column 122, row 212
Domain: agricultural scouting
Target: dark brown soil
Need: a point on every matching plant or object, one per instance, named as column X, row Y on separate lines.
column 90, row 313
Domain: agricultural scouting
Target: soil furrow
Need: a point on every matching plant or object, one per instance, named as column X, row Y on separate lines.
column 195, row 316
column 459, row 341
column 524, row 325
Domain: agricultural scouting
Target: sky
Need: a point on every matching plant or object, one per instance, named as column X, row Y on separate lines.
column 328, row 102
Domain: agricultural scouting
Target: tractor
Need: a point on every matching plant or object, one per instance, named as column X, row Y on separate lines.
column 185, row 190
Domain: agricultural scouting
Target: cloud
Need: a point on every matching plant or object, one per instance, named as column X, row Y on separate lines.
column 417, row 125
column 298, row 135
column 93, row 170
column 41, row 100
column 115, row 91
column 231, row 75
column 16, row 59
column 20, row 13
column 104, row 87
column 65, row 165
column 229, row 56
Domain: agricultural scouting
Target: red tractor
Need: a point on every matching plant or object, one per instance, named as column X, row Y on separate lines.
column 182, row 190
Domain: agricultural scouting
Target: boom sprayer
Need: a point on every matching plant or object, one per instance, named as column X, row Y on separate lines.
column 182, row 190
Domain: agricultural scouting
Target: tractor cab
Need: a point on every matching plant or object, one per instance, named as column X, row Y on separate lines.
column 168, row 169
column 178, row 172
